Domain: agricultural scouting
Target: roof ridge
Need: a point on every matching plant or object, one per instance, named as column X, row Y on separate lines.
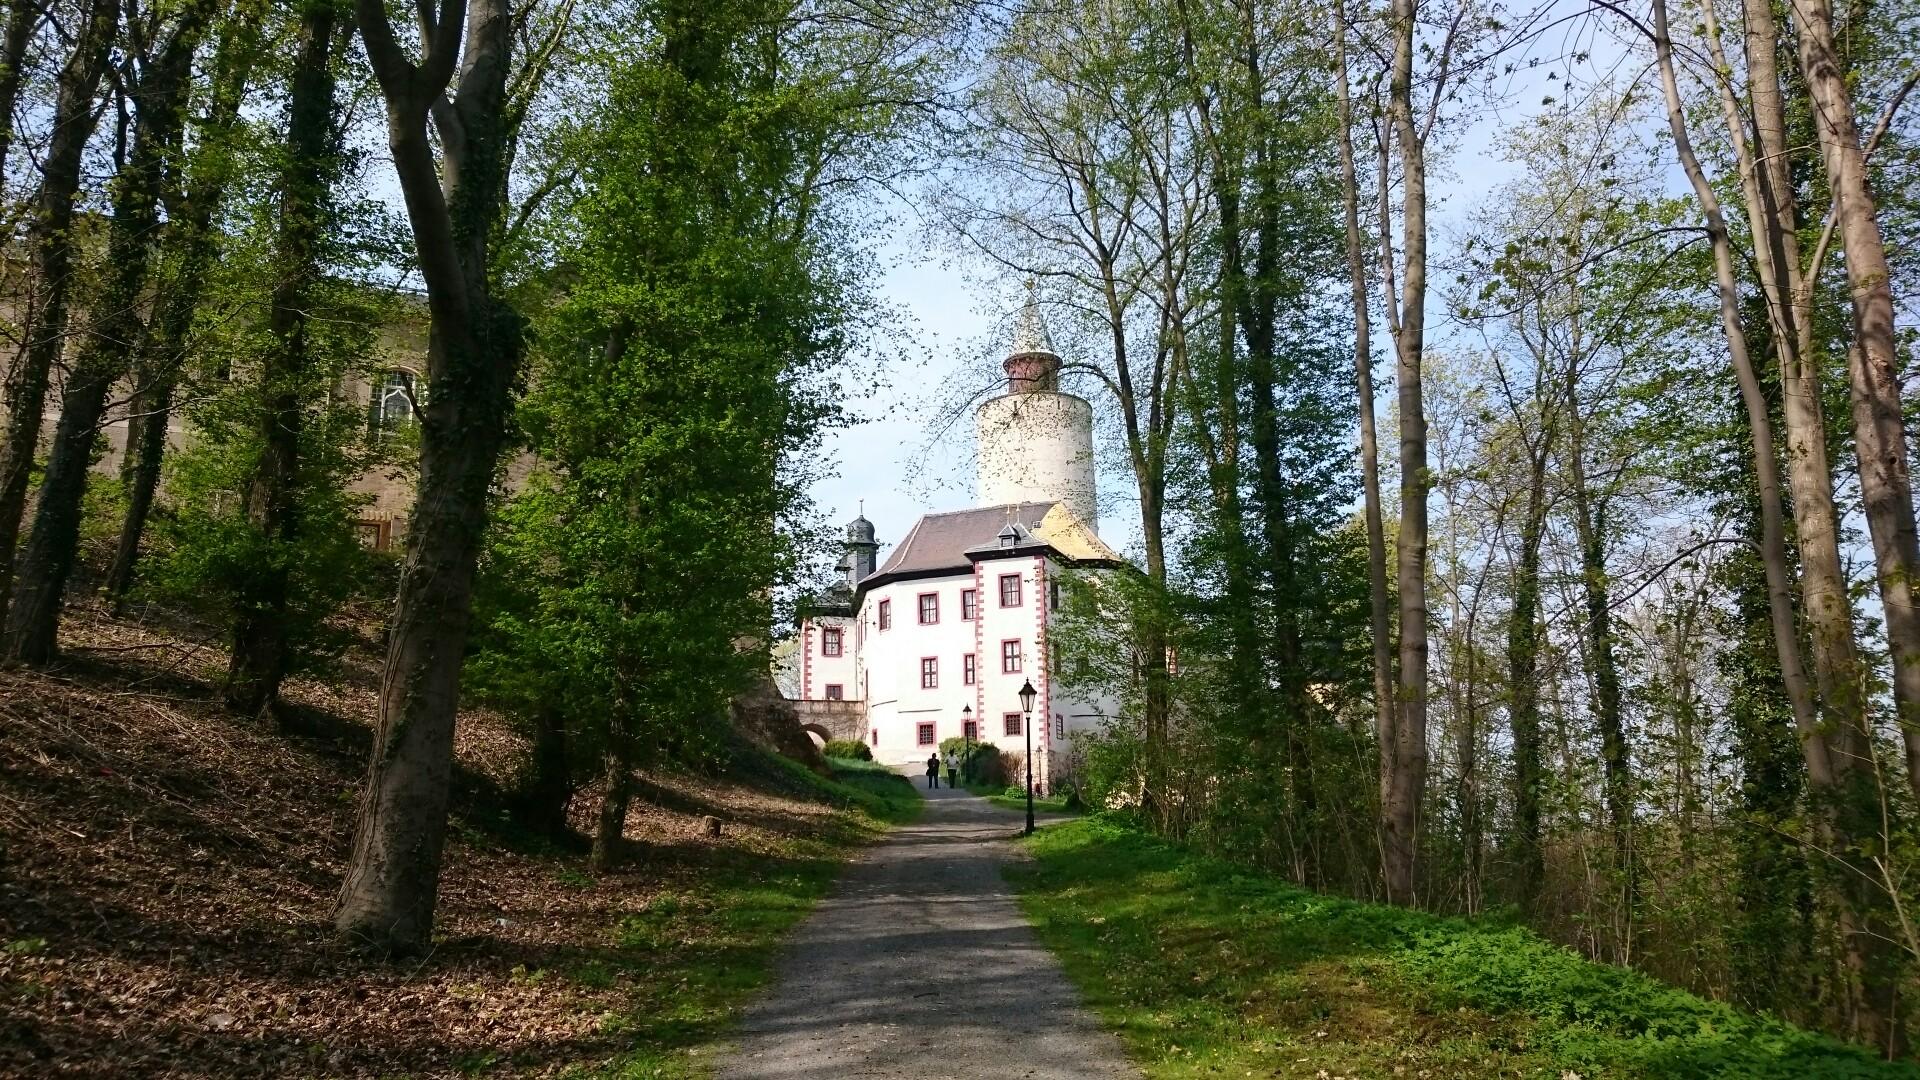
column 981, row 510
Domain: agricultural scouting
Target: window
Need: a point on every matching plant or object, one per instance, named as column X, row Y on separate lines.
column 929, row 608
column 1053, row 596
column 970, row 730
column 830, row 641
column 969, row 604
column 1010, row 657
column 874, row 736
column 1059, row 726
column 836, row 692
column 926, row 734
column 969, row 669
column 1012, row 722
column 886, row 614
column 1009, row 590
column 391, row 406
column 929, row 673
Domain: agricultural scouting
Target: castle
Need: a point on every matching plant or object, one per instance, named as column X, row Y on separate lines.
column 937, row 642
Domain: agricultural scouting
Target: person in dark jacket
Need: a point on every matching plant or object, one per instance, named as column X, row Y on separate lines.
column 933, row 770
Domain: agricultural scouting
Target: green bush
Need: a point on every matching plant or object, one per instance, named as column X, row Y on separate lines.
column 848, row 749
column 987, row 766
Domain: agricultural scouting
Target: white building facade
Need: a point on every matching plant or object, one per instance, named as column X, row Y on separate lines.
column 937, row 641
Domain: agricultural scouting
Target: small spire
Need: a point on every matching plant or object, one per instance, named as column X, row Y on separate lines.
column 1032, row 365
column 1030, row 329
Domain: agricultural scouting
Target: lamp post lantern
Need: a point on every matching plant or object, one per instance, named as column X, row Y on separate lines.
column 966, row 736
column 1027, row 694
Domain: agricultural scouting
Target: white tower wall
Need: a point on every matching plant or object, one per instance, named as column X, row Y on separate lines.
column 1037, row 447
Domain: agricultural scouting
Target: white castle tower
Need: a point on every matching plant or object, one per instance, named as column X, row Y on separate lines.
column 1036, row 443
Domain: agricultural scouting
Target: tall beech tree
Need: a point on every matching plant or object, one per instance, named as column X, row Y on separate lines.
column 308, row 166
column 455, row 189
column 189, row 248
column 51, row 234
column 117, row 326
column 1874, row 363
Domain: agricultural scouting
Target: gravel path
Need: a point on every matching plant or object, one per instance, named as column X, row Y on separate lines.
column 919, row 964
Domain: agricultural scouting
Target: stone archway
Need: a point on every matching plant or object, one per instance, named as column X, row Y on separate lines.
column 821, row 736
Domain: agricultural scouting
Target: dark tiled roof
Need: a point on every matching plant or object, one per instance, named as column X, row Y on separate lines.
column 941, row 541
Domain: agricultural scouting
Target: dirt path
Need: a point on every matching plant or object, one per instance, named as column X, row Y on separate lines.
column 921, row 965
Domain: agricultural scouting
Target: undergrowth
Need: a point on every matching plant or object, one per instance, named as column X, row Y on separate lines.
column 1211, row 969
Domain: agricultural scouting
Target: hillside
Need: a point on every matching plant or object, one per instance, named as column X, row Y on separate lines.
column 169, row 868
column 1208, row 968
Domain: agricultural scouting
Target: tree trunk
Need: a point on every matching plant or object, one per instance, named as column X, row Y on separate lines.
column 33, row 621
column 23, row 18
column 1383, row 698
column 546, row 787
column 260, row 645
column 52, row 258
column 1609, row 715
column 1770, row 939
column 1842, row 801
column 473, row 352
column 1523, row 687
column 1873, row 366
column 1403, row 770
column 610, row 828
column 191, row 234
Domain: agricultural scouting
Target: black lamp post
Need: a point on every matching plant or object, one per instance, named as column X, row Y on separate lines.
column 966, row 736
column 1027, row 694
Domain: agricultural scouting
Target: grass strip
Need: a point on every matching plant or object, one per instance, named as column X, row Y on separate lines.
column 1206, row 968
column 692, row 958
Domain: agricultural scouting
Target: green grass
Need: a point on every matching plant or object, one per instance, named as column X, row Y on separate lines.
column 692, row 957
column 1207, row 969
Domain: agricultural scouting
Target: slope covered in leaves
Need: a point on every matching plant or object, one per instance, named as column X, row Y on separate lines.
column 169, row 871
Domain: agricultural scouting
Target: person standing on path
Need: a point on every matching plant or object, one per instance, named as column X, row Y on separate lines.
column 953, row 769
column 933, row 771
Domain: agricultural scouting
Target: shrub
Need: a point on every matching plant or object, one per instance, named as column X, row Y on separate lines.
column 848, row 749
column 987, row 766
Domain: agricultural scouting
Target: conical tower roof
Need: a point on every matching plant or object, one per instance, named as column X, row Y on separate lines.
column 1032, row 364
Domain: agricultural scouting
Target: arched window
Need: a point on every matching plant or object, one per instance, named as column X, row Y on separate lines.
column 393, row 401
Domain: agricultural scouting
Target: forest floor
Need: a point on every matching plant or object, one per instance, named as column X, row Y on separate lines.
column 168, row 869
column 1207, row 969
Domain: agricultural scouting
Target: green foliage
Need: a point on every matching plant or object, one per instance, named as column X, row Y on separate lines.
column 849, row 749
column 678, row 383
column 1209, row 968
column 207, row 555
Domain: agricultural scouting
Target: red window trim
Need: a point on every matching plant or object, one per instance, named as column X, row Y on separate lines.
column 836, row 691
column 969, row 604
column 1010, row 724
column 969, row 669
column 1018, row 657
column 886, row 614
column 830, row 641
column 929, row 669
column 920, row 605
column 925, row 735
column 1019, row 590
column 970, row 729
